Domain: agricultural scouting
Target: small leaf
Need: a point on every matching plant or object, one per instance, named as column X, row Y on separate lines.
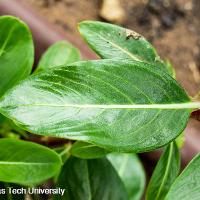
column 86, row 150
column 187, row 185
column 117, row 105
column 60, row 53
column 164, row 174
column 131, row 172
column 16, row 52
column 112, row 41
column 26, row 163
column 90, row 179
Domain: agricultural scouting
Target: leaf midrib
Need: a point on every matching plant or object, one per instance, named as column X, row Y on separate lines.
column 166, row 171
column 120, row 48
column 171, row 106
column 22, row 163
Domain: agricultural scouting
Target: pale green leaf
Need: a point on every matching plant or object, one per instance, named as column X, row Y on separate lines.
column 60, row 53
column 131, row 172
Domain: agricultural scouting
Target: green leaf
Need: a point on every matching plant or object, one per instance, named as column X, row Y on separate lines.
column 86, row 150
column 16, row 52
column 117, row 105
column 131, row 172
column 187, row 185
column 90, row 179
column 26, row 163
column 60, row 53
column 164, row 174
column 112, row 41
column 170, row 68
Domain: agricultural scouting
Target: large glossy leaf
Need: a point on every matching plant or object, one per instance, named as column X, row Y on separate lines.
column 16, row 52
column 164, row 174
column 121, row 106
column 26, row 163
column 90, row 179
column 86, row 150
column 187, row 185
column 112, row 41
column 59, row 53
column 131, row 172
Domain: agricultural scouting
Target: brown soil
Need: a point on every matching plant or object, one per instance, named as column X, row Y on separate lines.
column 171, row 25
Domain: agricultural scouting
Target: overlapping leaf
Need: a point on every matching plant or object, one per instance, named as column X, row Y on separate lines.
column 118, row 105
column 112, row 41
column 60, row 53
column 131, row 172
column 164, row 174
column 86, row 150
column 90, row 179
column 187, row 185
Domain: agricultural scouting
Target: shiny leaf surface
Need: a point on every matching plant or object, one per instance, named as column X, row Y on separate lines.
column 112, row 41
column 117, row 105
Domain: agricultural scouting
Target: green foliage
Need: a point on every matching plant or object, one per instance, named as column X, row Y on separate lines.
column 164, row 174
column 111, row 41
column 59, row 53
column 99, row 102
column 187, row 185
column 90, row 179
column 16, row 52
column 131, row 172
column 127, row 102
column 26, row 163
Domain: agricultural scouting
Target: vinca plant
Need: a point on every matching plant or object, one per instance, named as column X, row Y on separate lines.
column 75, row 127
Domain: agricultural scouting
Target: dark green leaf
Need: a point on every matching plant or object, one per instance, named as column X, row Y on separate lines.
column 119, row 106
column 16, row 52
column 26, row 162
column 131, row 172
column 4, row 192
column 111, row 41
column 164, row 174
column 60, row 53
column 187, row 185
column 86, row 150
column 90, row 179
